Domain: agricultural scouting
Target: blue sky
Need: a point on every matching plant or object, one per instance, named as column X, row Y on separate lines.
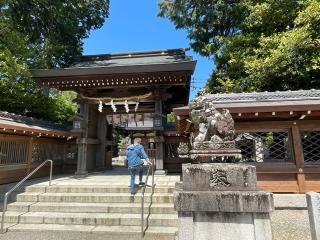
column 133, row 25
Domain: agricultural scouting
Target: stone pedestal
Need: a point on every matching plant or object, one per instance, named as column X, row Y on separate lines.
column 215, row 152
column 313, row 201
column 220, row 201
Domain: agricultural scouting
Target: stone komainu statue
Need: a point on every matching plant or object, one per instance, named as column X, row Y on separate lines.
column 214, row 133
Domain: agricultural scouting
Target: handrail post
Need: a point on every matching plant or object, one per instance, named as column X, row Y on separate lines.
column 142, row 198
column 153, row 168
column 5, row 202
column 4, row 211
column 51, row 165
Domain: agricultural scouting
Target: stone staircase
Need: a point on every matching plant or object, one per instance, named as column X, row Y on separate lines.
column 109, row 211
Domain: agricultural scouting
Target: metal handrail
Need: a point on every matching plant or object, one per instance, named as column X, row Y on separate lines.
column 5, row 202
column 142, row 194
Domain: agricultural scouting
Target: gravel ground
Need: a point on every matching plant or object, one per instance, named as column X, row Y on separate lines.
column 290, row 225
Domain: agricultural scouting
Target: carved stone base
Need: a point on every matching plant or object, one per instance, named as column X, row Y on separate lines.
column 218, row 176
column 213, row 145
column 221, row 201
column 215, row 156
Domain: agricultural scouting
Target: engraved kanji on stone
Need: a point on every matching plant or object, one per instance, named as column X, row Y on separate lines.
column 218, row 178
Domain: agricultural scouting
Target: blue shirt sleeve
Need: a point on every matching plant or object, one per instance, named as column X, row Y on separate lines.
column 143, row 153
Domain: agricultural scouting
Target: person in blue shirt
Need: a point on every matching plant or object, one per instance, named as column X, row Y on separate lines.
column 135, row 154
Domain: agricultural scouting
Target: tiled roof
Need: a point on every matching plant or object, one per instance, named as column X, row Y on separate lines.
column 15, row 118
column 265, row 96
column 132, row 59
column 172, row 60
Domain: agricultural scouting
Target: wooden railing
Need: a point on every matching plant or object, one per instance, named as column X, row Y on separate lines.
column 19, row 155
column 13, row 150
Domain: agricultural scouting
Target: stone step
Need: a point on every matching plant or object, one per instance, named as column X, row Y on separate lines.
column 92, row 189
column 158, row 208
column 94, row 197
column 86, row 232
column 109, row 219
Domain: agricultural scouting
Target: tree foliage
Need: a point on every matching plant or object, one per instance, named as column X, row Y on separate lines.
column 42, row 34
column 257, row 45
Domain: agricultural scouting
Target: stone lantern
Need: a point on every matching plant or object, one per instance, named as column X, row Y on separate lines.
column 78, row 124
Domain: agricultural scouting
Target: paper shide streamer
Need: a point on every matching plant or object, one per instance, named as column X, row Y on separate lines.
column 136, row 107
column 126, row 106
column 100, row 106
column 113, row 106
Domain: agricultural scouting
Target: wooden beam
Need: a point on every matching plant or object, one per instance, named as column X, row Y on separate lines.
column 101, row 148
column 297, row 146
column 301, row 182
column 33, row 130
column 293, row 107
column 29, row 154
column 276, row 168
column 298, row 156
column 313, row 125
column 274, row 116
column 265, row 126
column 309, row 125
column 107, row 81
column 312, row 169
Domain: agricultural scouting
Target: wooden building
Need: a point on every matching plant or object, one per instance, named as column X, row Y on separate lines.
column 26, row 142
column 278, row 132
column 134, row 91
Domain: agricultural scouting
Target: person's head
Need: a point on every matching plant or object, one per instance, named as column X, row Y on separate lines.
column 137, row 141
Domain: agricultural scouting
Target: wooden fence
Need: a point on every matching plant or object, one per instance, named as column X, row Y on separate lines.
column 21, row 154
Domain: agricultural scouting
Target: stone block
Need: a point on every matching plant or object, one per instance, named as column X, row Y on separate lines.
column 313, row 201
column 218, row 226
column 185, row 224
column 223, row 201
column 218, row 177
column 224, row 226
column 262, row 226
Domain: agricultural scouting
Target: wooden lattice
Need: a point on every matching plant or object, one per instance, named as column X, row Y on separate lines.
column 265, row 146
column 311, row 146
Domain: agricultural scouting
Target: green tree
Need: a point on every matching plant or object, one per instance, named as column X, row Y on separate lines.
column 55, row 29
column 263, row 45
column 42, row 34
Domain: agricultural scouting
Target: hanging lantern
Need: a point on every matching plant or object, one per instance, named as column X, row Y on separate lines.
column 78, row 124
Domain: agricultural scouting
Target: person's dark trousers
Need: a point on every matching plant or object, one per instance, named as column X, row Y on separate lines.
column 133, row 171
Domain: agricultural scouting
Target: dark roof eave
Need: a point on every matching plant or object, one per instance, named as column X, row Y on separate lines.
column 295, row 107
column 181, row 111
column 163, row 67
